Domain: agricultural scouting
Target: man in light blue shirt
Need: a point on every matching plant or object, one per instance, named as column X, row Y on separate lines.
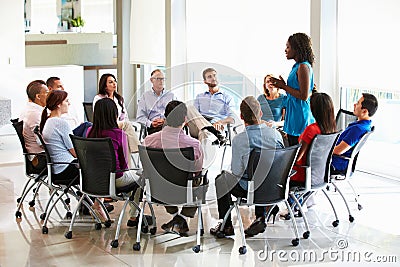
column 214, row 105
column 152, row 104
column 256, row 135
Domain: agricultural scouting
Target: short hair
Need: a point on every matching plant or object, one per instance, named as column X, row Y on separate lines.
column 207, row 70
column 50, row 81
column 370, row 103
column 250, row 109
column 34, row 88
column 154, row 71
column 175, row 113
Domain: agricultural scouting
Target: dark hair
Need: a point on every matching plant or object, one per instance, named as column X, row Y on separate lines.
column 50, row 81
column 175, row 113
column 323, row 111
column 54, row 98
column 207, row 70
column 105, row 117
column 250, row 109
column 370, row 103
column 154, row 71
column 34, row 88
column 266, row 90
column 103, row 86
column 301, row 44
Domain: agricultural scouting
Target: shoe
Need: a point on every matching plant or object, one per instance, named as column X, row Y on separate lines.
column 168, row 226
column 273, row 213
column 258, row 226
column 228, row 230
column 109, row 207
column 134, row 223
column 182, row 225
column 338, row 176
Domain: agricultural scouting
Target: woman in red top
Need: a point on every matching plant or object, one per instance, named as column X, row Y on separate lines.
column 323, row 111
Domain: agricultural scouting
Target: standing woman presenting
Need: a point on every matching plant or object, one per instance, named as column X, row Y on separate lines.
column 299, row 86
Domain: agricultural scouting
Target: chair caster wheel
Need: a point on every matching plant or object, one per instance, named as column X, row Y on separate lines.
column 18, row 200
column 68, row 215
column 242, row 250
column 43, row 216
column 196, row 248
column 220, row 234
column 153, row 230
column 335, row 223
column 97, row 226
column 295, row 242
column 45, row 230
column 107, row 224
column 360, row 207
column 114, row 243
column 31, row 203
column 145, row 229
column 136, row 246
column 18, row 214
column 306, row 234
column 351, row 218
column 68, row 235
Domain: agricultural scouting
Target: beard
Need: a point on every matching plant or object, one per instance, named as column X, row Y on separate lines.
column 212, row 85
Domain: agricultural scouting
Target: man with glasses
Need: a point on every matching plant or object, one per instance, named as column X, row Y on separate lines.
column 152, row 104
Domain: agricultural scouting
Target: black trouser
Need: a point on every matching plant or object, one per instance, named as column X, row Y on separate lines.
column 293, row 140
column 225, row 201
column 69, row 176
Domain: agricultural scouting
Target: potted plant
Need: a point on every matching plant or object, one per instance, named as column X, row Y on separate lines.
column 77, row 24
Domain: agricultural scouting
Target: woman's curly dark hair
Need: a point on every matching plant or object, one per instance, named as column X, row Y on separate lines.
column 301, row 43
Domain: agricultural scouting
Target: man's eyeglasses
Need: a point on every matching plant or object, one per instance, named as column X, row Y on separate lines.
column 159, row 79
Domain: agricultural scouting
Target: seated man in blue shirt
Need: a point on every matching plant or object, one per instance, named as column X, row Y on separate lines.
column 151, row 107
column 256, row 135
column 364, row 109
column 214, row 105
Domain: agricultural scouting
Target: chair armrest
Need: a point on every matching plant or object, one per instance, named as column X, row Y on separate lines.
column 342, row 157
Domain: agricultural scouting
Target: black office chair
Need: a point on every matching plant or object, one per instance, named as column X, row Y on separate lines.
column 344, row 118
column 269, row 172
column 351, row 166
column 35, row 175
column 88, row 108
column 59, row 188
column 97, row 165
column 317, row 170
column 169, row 175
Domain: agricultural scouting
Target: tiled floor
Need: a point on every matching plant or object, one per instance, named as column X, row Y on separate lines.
column 372, row 237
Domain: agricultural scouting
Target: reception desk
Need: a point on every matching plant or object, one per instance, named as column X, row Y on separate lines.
column 86, row 49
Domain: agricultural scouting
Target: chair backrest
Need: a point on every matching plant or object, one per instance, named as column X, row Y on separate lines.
column 356, row 151
column 344, row 118
column 319, row 159
column 19, row 126
column 43, row 144
column 269, row 170
column 97, row 162
column 167, row 172
column 88, row 108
